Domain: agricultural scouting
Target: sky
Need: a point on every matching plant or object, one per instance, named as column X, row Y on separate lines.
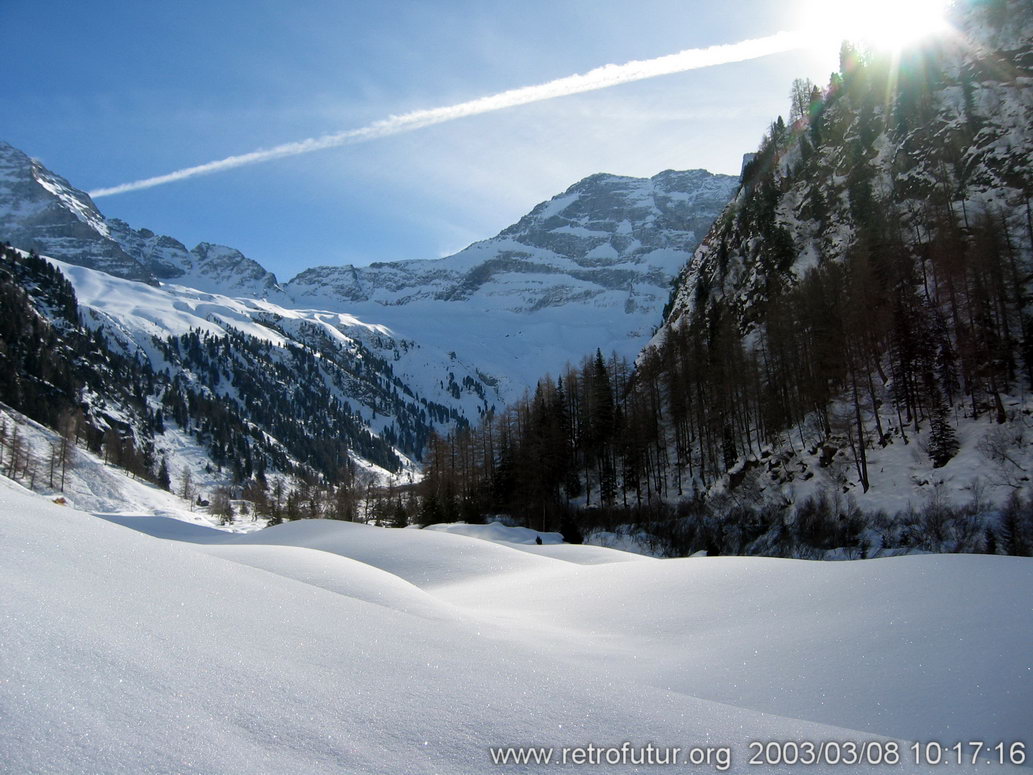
column 109, row 92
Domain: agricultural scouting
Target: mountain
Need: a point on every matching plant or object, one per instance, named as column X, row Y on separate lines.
column 591, row 268
column 208, row 267
column 41, row 211
column 845, row 366
column 257, row 385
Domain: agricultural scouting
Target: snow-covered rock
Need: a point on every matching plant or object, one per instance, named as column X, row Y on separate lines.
column 42, row 211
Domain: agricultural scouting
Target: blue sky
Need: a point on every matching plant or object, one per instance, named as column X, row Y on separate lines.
column 108, row 92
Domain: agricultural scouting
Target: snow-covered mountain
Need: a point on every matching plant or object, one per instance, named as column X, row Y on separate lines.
column 41, row 211
column 606, row 240
column 362, row 362
column 256, row 385
column 590, row 269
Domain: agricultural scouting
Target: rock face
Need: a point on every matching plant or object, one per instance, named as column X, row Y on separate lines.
column 220, row 269
column 606, row 239
column 42, row 211
column 951, row 144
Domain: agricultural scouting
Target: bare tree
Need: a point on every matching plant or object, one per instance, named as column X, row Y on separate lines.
column 68, row 427
column 800, row 101
column 186, row 486
column 220, row 505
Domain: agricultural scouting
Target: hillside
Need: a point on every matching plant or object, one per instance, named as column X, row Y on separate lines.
column 189, row 390
column 870, row 285
column 845, row 365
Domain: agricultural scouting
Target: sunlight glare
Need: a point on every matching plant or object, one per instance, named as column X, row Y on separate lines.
column 882, row 24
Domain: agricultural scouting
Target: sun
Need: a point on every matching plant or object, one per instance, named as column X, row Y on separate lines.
column 888, row 25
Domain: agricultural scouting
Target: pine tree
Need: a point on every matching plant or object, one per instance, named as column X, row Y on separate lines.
column 162, row 479
column 943, row 442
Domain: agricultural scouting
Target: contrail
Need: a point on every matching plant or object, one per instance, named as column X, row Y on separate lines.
column 599, row 78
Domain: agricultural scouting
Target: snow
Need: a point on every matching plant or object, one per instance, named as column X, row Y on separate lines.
column 326, row 647
column 135, row 313
column 992, row 463
column 523, row 538
column 75, row 201
column 93, row 486
column 498, row 532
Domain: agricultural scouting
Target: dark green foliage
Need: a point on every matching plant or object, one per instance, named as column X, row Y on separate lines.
column 943, row 441
column 1016, row 526
column 281, row 390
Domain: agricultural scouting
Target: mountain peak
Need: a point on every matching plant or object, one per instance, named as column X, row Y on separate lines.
column 41, row 211
column 590, row 267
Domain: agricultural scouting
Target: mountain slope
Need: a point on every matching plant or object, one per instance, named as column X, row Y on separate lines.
column 870, row 285
column 395, row 387
column 41, row 211
column 950, row 149
column 239, row 393
column 589, row 269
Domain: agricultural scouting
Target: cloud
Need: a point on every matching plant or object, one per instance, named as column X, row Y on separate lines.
column 599, row 78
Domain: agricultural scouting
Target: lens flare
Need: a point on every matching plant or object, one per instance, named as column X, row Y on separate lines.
column 882, row 24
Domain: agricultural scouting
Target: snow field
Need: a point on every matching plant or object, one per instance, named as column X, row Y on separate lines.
column 331, row 647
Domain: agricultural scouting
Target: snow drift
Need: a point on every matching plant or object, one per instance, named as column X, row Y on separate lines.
column 331, row 647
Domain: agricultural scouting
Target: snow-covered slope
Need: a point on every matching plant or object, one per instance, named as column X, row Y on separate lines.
column 387, row 366
column 591, row 268
column 329, row 647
